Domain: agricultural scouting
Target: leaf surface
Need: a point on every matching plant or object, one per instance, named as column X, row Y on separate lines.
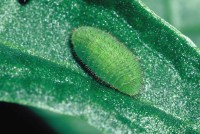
column 37, row 67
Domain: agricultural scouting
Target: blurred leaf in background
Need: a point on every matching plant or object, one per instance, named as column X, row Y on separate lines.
column 183, row 14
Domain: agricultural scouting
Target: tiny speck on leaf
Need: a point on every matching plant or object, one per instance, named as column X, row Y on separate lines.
column 23, row 2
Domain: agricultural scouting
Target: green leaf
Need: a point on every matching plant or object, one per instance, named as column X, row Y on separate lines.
column 37, row 67
column 182, row 14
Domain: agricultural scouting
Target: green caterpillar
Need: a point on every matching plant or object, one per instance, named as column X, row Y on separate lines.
column 108, row 59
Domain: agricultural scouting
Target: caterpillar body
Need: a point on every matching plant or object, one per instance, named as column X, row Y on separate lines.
column 110, row 60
